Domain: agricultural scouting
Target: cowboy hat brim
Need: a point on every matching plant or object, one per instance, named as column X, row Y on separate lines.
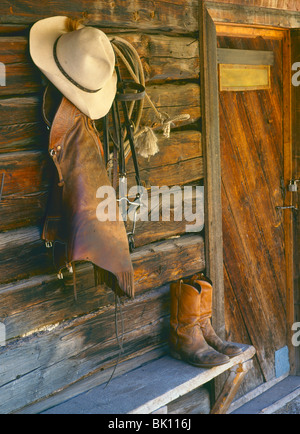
column 43, row 36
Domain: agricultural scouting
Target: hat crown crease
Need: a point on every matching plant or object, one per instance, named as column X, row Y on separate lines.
column 86, row 56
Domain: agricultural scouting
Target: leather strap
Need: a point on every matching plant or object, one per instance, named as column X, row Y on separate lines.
column 128, row 125
column 133, row 96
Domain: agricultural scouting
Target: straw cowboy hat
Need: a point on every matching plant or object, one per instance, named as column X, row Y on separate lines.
column 80, row 63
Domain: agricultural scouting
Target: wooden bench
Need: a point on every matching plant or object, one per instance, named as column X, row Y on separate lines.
column 152, row 386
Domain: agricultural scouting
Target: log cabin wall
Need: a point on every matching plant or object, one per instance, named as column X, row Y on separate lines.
column 52, row 341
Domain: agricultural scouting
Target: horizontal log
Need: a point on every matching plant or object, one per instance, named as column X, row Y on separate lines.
column 254, row 16
column 25, row 172
column 22, row 76
column 28, row 176
column 181, row 146
column 16, row 111
column 169, row 260
column 191, row 219
column 39, row 365
column 21, row 210
column 183, row 172
column 179, row 161
column 22, row 254
column 291, row 5
column 40, row 301
column 19, row 115
column 163, row 58
column 13, row 29
column 173, row 99
column 21, row 137
column 168, row 15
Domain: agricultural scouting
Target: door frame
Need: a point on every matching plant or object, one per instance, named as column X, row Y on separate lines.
column 210, row 16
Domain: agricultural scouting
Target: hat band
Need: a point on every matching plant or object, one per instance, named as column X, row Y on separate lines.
column 65, row 74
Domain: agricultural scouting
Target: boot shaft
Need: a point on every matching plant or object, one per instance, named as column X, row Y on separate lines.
column 185, row 304
column 204, row 286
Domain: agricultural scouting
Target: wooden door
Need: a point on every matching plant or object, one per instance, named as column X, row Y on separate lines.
column 255, row 160
column 295, row 61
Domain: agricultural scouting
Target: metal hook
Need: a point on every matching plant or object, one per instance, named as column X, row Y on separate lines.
column 287, row 207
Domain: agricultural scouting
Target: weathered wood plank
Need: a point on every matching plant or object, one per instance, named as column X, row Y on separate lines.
column 16, row 111
column 212, row 157
column 47, row 361
column 290, row 5
column 21, row 210
column 23, row 254
column 151, row 231
column 21, row 137
column 166, row 58
column 181, row 146
column 163, row 58
column 184, row 172
column 168, row 15
column 252, row 146
column 245, row 57
column 183, row 256
column 21, row 74
column 253, row 16
column 99, row 377
column 295, row 54
column 25, row 172
column 184, row 99
column 28, row 176
column 13, row 29
column 174, row 99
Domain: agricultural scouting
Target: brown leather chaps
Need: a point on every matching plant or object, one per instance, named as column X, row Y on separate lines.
column 71, row 223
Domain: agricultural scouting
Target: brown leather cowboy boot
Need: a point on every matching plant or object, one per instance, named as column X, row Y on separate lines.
column 204, row 286
column 186, row 339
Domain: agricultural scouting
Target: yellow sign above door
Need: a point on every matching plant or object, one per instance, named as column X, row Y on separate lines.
column 244, row 77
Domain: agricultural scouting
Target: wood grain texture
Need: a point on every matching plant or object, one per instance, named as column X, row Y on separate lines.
column 169, row 15
column 290, row 5
column 295, row 53
column 21, row 123
column 23, row 254
column 253, row 16
column 212, row 164
column 173, row 99
column 47, row 361
column 28, row 176
column 164, row 58
column 22, row 76
column 252, row 166
column 72, row 340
